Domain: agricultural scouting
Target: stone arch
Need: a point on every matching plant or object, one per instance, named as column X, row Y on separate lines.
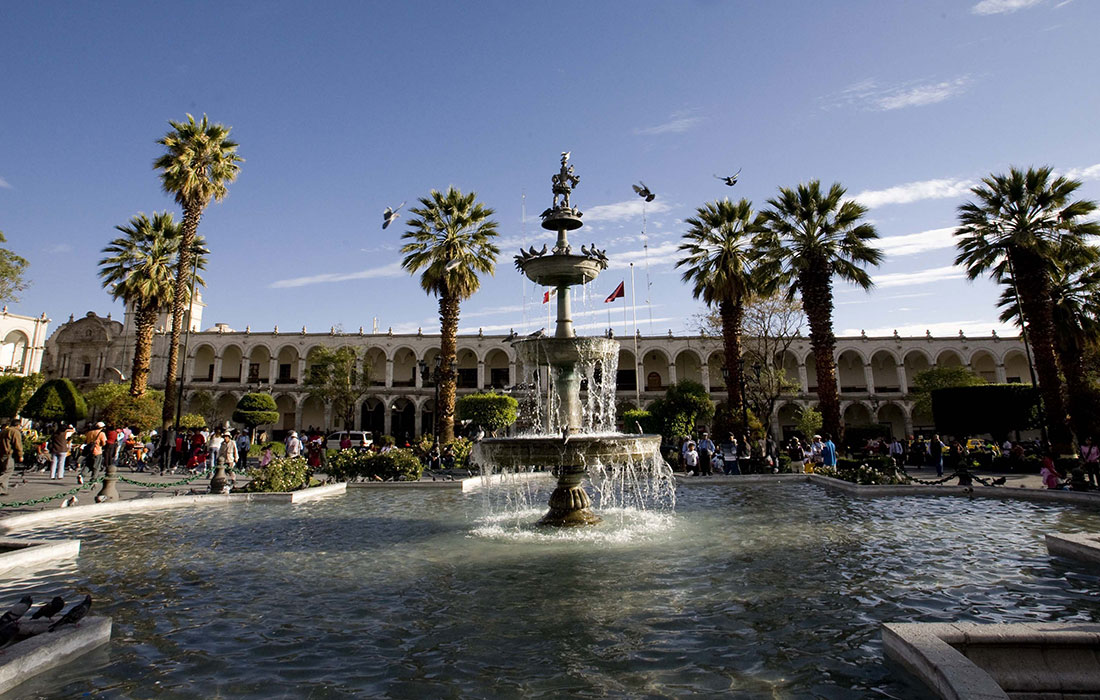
column 949, row 357
column 1016, row 367
column 857, row 414
column 983, row 364
column 427, row 417
column 655, row 363
column 402, row 419
column 404, row 367
column 893, row 415
column 467, row 368
column 375, row 360
column 224, row 406
column 689, row 366
column 627, row 379
column 884, row 372
column 811, row 373
column 202, row 363
column 13, row 352
column 313, row 414
column 287, row 407
column 232, row 358
column 286, row 370
column 849, row 371
column 916, row 361
column 786, row 415
column 497, row 374
column 716, row 361
column 372, row 416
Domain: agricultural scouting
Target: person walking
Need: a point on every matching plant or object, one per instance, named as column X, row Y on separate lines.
column 110, row 446
column 293, row 445
column 11, row 451
column 59, row 450
column 828, row 452
column 244, row 444
column 228, row 455
column 691, row 458
column 94, row 440
column 729, row 456
column 1090, row 455
column 935, row 454
column 816, row 448
column 706, row 450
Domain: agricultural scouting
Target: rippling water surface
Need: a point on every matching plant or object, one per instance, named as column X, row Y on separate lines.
column 755, row 592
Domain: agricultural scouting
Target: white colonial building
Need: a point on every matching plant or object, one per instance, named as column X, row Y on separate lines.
column 873, row 374
column 24, row 339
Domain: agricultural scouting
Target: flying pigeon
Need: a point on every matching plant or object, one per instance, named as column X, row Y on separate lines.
column 390, row 214
column 730, row 180
column 75, row 614
column 452, row 265
column 16, row 611
column 644, row 192
column 49, row 609
column 537, row 334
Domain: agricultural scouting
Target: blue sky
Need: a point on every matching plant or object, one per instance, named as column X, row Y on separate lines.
column 344, row 108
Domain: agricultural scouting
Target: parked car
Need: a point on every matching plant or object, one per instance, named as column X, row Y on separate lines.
column 358, row 438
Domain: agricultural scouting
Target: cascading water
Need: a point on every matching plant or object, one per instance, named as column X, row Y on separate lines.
column 569, row 407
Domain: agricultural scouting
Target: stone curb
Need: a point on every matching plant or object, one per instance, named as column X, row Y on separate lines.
column 997, row 492
column 31, row 657
column 97, row 510
column 28, row 555
column 1083, row 547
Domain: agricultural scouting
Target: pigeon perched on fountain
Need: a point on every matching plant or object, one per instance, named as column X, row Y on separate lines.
column 75, row 614
column 16, row 611
column 480, row 434
column 512, row 335
column 537, row 334
column 48, row 610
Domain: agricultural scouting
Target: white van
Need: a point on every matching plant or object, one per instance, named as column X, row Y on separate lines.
column 358, row 438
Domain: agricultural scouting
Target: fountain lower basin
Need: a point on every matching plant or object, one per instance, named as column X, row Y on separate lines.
column 556, row 452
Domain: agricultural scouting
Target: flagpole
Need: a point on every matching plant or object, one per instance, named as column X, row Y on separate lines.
column 637, row 360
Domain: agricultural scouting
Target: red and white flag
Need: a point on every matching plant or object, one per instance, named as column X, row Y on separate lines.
column 619, row 293
column 546, row 297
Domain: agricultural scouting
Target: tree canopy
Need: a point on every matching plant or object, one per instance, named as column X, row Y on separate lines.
column 340, row 377
column 255, row 410
column 492, row 412
column 56, row 400
column 12, row 270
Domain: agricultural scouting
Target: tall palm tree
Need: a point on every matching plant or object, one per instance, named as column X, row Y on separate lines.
column 450, row 238
column 812, row 236
column 719, row 257
column 1075, row 295
column 199, row 162
column 139, row 269
column 1016, row 226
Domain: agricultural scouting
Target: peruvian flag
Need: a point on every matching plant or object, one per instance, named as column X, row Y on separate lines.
column 546, row 297
column 619, row 293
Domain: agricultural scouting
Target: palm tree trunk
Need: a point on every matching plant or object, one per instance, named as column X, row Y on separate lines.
column 188, row 229
column 817, row 300
column 145, row 321
column 1078, row 392
column 448, row 332
column 732, row 313
column 1033, row 285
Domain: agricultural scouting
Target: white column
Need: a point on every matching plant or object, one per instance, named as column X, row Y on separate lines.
column 705, row 371
column 418, row 380
column 903, row 381
column 512, row 374
column 803, row 379
column 244, row 369
column 273, row 370
column 868, row 378
column 671, row 372
column 481, row 374
column 387, row 418
column 389, row 383
column 217, row 367
column 328, row 418
column 301, row 370
column 1000, row 371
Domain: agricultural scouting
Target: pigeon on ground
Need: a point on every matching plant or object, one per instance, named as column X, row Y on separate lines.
column 1000, row 481
column 16, row 611
column 644, row 192
column 730, row 180
column 75, row 614
column 69, row 502
column 49, row 609
column 389, row 215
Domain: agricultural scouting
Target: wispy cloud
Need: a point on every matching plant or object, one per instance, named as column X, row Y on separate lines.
column 942, row 329
column 623, row 211
column 59, row 248
column 659, row 255
column 946, row 188
column 391, row 270
column 870, row 94
column 1092, row 172
column 678, row 123
column 4, row 184
column 904, row 279
column 998, row 7
column 913, row 243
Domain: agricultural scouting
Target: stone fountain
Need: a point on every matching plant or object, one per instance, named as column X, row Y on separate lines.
column 571, row 434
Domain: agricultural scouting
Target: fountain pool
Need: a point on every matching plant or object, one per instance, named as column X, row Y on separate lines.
column 752, row 591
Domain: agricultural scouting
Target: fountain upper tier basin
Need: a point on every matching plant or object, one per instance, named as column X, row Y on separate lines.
column 561, row 270
column 554, row 451
column 561, row 351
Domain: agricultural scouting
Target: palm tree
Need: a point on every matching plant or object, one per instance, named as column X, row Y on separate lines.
column 812, row 236
column 1075, row 294
column 1015, row 229
column 138, row 268
column 199, row 162
column 450, row 237
column 719, row 257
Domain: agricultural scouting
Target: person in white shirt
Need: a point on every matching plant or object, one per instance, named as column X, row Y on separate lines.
column 293, row 445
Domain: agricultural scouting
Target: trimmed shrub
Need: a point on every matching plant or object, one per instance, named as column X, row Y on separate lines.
column 11, row 393
column 141, row 412
column 256, row 409
column 491, row 411
column 277, row 448
column 192, row 420
column 355, row 465
column 461, row 449
column 282, row 474
column 876, row 470
column 57, row 400
column 635, row 417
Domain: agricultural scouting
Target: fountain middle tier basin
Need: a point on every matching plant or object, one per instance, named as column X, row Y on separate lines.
column 578, row 450
column 562, row 351
column 561, row 270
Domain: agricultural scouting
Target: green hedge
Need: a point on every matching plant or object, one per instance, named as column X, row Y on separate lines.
column 11, row 393
column 282, row 474
column 491, row 411
column 56, row 400
column 395, row 465
column 277, row 448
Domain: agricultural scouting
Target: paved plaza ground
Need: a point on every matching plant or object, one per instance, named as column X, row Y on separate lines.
column 35, row 485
